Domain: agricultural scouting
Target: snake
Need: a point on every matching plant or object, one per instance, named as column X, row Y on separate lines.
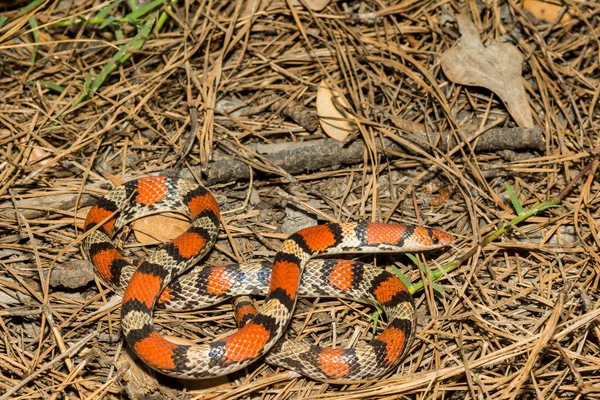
column 163, row 279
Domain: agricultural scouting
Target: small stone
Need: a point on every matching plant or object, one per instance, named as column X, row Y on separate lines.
column 297, row 218
column 72, row 275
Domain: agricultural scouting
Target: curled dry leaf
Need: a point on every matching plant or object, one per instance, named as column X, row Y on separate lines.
column 332, row 109
column 407, row 125
column 315, row 5
column 496, row 67
column 546, row 10
column 39, row 157
column 162, row 228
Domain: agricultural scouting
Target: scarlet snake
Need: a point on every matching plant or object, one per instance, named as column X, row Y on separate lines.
column 145, row 282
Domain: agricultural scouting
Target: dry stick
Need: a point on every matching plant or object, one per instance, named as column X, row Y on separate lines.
column 296, row 158
column 71, row 350
column 451, row 266
column 317, row 154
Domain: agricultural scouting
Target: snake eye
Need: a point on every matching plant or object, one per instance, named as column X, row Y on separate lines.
column 434, row 238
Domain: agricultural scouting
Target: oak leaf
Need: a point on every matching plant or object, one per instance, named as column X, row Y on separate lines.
column 333, row 111
column 496, row 67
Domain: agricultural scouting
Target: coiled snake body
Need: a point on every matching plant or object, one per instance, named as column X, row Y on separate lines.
column 291, row 274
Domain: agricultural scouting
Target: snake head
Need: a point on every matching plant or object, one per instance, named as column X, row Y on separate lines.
column 440, row 238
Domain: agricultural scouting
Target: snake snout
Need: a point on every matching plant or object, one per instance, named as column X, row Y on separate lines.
column 441, row 238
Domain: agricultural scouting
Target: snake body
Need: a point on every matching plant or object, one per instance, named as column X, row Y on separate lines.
column 157, row 278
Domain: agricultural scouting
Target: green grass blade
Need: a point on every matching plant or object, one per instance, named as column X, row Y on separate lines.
column 107, row 22
column 48, row 85
column 401, row 276
column 514, row 199
column 134, row 15
column 88, row 82
column 106, row 10
column 437, row 287
column 375, row 318
column 36, row 37
column 429, row 274
column 414, row 259
column 3, row 19
column 136, row 43
column 119, row 35
column 120, row 57
column 133, row 5
column 30, row 7
column 164, row 15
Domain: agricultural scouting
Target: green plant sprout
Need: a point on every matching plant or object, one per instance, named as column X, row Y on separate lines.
column 134, row 44
column 144, row 18
column 522, row 215
column 36, row 37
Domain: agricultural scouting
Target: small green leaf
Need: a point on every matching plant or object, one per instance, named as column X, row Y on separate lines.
column 36, row 36
column 437, row 288
column 30, row 7
column 134, row 15
column 414, row 259
column 106, row 10
column 3, row 20
column 119, row 35
column 48, row 85
column 401, row 276
column 514, row 199
column 107, row 22
column 375, row 318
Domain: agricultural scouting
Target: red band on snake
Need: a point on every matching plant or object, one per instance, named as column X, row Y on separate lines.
column 291, row 274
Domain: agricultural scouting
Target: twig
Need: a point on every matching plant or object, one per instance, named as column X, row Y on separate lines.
column 294, row 158
column 317, row 154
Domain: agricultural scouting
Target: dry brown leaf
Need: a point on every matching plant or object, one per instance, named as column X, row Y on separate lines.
column 546, row 10
column 155, row 228
column 315, row 5
column 332, row 108
column 39, row 157
column 162, row 228
column 496, row 67
column 80, row 217
column 407, row 125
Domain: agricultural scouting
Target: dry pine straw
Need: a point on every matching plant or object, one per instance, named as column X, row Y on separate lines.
column 519, row 320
